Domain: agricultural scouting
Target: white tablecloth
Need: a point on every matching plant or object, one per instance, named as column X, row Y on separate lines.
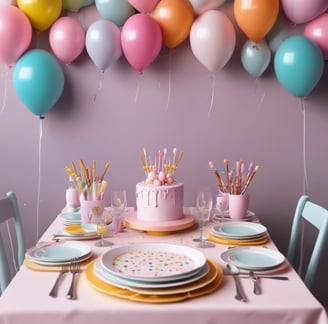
column 26, row 299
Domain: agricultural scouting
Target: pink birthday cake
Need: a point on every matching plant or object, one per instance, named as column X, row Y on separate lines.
column 160, row 197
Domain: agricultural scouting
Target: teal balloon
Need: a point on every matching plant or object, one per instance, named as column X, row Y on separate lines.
column 38, row 80
column 298, row 65
column 117, row 11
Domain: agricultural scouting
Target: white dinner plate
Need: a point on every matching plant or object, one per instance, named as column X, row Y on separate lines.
column 59, row 252
column 253, row 258
column 239, row 230
column 127, row 283
column 152, row 261
column 219, row 218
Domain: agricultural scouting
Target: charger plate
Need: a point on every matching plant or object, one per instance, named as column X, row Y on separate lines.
column 171, row 297
column 257, row 241
column 158, row 228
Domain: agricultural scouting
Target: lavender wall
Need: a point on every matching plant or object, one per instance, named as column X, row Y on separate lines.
column 256, row 120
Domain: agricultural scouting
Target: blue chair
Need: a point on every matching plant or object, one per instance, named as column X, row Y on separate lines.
column 317, row 216
column 9, row 209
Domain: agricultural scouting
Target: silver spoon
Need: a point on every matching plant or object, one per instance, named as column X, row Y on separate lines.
column 239, row 291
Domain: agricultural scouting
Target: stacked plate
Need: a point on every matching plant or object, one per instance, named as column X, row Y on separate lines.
column 253, row 258
column 56, row 254
column 219, row 217
column 239, row 233
column 71, row 218
column 163, row 271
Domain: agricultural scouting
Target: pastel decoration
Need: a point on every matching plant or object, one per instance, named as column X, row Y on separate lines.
column 117, row 11
column 255, row 57
column 175, row 18
column 317, row 31
column 42, row 13
column 67, row 38
column 15, row 34
column 144, row 6
column 256, row 17
column 38, row 80
column 213, row 39
column 200, row 6
column 103, row 43
column 141, row 40
column 73, row 5
column 298, row 65
column 302, row 11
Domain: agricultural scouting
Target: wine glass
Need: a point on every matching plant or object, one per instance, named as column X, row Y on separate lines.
column 118, row 201
column 102, row 229
column 204, row 203
column 222, row 205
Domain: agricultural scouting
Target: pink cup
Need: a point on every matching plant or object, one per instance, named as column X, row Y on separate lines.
column 91, row 211
column 238, row 206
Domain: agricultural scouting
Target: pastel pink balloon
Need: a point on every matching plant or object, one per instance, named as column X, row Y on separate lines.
column 141, row 40
column 67, row 39
column 15, row 34
column 302, row 11
column 213, row 39
column 144, row 6
column 200, row 6
column 317, row 31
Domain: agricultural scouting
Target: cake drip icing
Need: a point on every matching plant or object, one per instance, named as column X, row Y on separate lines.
column 152, row 196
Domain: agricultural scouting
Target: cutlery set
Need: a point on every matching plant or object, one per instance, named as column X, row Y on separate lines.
column 237, row 274
column 74, row 268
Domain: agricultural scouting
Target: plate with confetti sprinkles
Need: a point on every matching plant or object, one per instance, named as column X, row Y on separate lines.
column 153, row 262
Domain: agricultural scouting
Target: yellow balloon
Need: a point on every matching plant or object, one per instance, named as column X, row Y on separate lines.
column 41, row 13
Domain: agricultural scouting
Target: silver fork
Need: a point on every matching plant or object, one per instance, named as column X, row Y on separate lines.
column 53, row 291
column 74, row 268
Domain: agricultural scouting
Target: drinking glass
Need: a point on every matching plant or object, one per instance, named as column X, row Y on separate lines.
column 118, row 201
column 204, row 203
column 102, row 229
column 222, row 206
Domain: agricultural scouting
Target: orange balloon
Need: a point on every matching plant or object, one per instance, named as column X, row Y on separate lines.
column 256, row 17
column 175, row 18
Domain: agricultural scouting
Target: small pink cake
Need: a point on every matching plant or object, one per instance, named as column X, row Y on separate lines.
column 159, row 197
column 159, row 203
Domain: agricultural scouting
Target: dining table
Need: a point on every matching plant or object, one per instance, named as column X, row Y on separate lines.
column 27, row 300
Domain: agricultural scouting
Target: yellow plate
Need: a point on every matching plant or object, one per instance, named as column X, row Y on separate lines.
column 258, row 241
column 210, row 283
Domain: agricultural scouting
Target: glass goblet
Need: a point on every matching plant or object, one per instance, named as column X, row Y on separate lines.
column 204, row 203
column 102, row 229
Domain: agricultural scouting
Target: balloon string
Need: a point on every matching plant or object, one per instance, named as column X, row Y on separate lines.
column 169, row 84
column 39, row 182
column 100, row 84
column 136, row 97
column 305, row 181
column 4, row 99
column 257, row 90
column 212, row 96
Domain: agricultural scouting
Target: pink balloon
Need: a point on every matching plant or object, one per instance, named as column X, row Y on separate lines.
column 144, row 6
column 302, row 11
column 317, row 31
column 213, row 39
column 200, row 6
column 141, row 40
column 66, row 39
column 103, row 43
column 15, row 34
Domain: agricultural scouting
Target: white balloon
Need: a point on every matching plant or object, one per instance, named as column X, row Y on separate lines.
column 213, row 39
column 200, row 6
